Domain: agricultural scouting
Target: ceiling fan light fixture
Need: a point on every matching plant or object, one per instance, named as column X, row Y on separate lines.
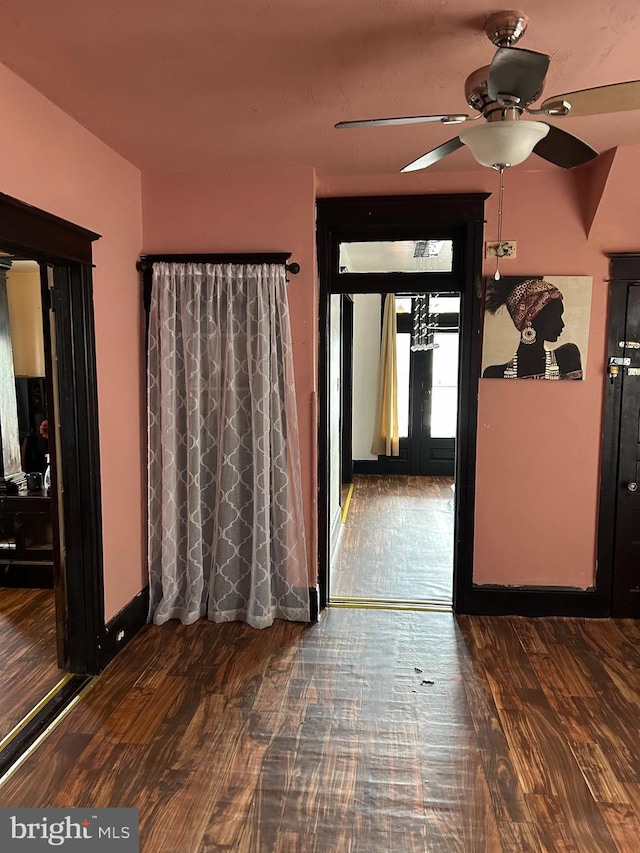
column 503, row 143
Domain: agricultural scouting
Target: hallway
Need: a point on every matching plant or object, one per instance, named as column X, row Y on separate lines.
column 370, row 732
column 397, row 540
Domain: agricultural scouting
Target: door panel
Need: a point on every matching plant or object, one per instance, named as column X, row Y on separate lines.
column 626, row 568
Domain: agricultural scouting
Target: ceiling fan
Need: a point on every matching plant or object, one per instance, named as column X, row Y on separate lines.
column 501, row 92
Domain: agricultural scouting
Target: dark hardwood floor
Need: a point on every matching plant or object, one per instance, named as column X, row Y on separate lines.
column 28, row 665
column 371, row 731
column 397, row 541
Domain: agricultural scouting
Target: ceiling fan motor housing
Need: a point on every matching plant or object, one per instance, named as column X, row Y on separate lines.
column 477, row 95
column 475, row 89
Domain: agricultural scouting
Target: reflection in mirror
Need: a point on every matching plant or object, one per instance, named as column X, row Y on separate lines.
column 27, row 340
column 28, row 666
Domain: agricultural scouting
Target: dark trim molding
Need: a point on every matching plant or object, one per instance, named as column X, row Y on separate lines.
column 26, row 575
column 314, row 605
column 624, row 266
column 124, row 626
column 493, row 600
column 466, row 439
column 72, row 302
column 41, row 236
column 67, row 249
column 368, row 466
column 398, row 282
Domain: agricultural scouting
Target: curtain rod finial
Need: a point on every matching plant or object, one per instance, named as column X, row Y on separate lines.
column 293, row 268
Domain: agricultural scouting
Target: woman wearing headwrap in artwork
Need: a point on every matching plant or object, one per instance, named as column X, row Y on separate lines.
column 536, row 308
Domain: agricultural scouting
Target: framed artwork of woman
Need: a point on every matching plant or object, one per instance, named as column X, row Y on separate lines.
column 536, row 327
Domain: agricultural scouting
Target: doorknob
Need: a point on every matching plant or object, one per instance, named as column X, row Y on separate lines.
column 632, row 487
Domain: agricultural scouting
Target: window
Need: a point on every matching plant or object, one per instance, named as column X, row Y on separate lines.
column 407, row 256
column 444, row 387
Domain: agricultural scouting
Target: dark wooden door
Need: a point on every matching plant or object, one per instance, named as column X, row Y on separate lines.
column 430, row 444
column 626, row 562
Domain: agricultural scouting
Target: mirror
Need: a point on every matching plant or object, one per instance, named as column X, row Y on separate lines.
column 27, row 597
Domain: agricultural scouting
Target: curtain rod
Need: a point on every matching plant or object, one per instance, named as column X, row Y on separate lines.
column 146, row 261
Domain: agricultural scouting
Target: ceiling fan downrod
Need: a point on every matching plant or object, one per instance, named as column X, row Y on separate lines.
column 506, row 28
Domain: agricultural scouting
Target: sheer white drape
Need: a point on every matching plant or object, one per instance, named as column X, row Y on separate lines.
column 226, row 530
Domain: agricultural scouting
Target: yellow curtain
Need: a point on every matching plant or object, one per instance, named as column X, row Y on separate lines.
column 385, row 433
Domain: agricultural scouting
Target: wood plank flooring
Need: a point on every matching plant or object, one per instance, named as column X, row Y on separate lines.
column 397, row 541
column 372, row 731
column 28, row 664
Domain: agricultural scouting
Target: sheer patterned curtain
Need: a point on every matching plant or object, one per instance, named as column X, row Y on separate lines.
column 226, row 530
column 386, row 440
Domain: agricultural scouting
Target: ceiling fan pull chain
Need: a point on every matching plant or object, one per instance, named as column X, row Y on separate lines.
column 499, row 246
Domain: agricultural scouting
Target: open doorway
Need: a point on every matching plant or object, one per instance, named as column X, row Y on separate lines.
column 412, row 231
column 394, row 538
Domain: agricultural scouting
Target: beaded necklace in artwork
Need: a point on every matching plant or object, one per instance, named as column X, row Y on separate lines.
column 551, row 369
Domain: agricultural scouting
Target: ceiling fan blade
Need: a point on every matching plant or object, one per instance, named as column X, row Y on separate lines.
column 617, row 97
column 564, row 149
column 517, row 72
column 434, row 155
column 453, row 118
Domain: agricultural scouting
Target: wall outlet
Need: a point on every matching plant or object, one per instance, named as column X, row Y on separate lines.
column 119, row 636
column 508, row 249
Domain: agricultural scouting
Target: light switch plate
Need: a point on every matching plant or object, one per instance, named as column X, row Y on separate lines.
column 509, row 248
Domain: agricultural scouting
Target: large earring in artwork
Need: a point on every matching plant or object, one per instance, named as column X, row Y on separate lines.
column 528, row 335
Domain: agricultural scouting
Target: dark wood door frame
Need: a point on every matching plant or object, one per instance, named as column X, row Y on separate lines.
column 346, row 399
column 27, row 232
column 457, row 217
column 624, row 270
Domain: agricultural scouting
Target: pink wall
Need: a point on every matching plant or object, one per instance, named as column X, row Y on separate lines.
column 539, row 443
column 50, row 161
column 252, row 211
